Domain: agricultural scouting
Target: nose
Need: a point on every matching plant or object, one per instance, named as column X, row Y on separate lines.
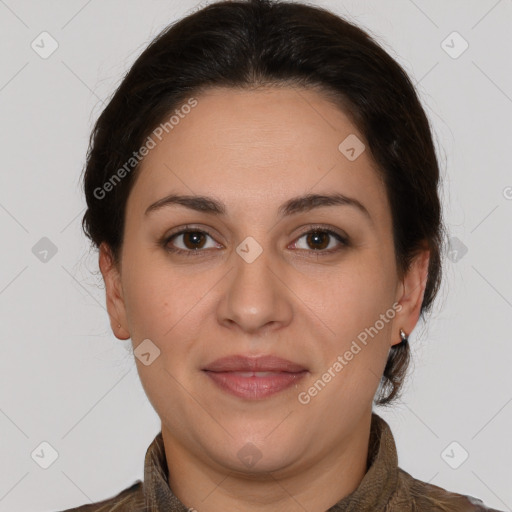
column 256, row 296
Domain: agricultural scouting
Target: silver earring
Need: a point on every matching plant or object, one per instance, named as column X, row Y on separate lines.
column 403, row 336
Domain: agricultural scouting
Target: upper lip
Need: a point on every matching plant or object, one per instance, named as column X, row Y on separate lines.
column 240, row 363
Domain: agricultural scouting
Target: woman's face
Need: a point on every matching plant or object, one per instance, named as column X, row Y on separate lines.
column 249, row 280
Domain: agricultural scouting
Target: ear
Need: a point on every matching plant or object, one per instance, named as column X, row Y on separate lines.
column 114, row 292
column 410, row 294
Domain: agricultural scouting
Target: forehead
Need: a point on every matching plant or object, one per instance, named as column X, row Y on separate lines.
column 259, row 146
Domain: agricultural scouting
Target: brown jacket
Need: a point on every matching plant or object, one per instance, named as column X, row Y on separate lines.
column 384, row 488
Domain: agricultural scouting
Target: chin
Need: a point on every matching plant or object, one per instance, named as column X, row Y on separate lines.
column 253, row 458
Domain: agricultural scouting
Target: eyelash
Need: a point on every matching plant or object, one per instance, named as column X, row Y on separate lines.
column 198, row 252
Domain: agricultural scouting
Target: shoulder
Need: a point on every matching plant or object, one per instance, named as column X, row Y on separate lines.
column 423, row 496
column 130, row 499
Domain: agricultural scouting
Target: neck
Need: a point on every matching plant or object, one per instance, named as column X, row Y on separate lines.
column 314, row 485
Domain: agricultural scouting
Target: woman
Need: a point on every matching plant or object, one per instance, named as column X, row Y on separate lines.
column 263, row 191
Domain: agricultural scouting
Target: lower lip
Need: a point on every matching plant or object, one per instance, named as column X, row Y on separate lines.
column 254, row 387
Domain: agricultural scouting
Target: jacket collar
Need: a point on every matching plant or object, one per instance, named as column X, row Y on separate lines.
column 373, row 493
column 381, row 479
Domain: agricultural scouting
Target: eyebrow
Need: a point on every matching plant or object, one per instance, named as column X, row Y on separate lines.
column 293, row 206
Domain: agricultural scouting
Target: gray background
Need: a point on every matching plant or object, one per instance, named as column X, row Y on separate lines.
column 66, row 380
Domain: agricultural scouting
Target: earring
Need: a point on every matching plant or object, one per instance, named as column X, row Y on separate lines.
column 403, row 336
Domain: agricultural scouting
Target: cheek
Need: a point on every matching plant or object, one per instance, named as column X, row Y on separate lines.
column 357, row 290
column 162, row 303
column 356, row 304
column 150, row 298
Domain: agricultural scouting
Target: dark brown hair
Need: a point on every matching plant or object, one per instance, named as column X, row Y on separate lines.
column 253, row 43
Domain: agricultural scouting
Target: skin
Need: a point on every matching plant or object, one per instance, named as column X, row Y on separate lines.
column 253, row 150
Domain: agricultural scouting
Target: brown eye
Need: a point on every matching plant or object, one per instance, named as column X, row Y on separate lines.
column 193, row 239
column 317, row 239
column 189, row 242
column 192, row 242
column 321, row 241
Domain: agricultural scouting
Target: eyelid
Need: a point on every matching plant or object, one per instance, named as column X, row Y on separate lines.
column 323, row 227
column 190, row 227
column 303, row 230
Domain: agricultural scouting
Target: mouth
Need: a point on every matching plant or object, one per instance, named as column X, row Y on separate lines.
column 254, row 377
